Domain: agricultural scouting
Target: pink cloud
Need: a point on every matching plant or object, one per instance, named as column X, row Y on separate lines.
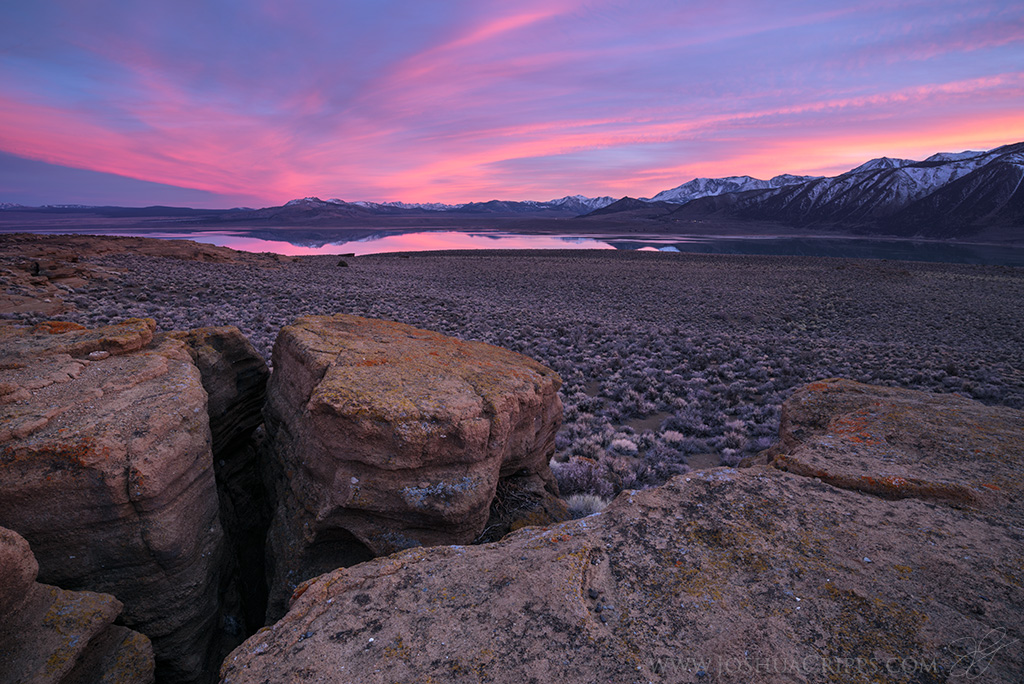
column 531, row 100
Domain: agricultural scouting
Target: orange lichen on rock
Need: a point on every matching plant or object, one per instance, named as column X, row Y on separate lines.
column 56, row 327
column 897, row 443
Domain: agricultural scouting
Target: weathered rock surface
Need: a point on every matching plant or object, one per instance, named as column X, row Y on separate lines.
column 721, row 575
column 898, row 443
column 105, row 467
column 51, row 635
column 389, row 437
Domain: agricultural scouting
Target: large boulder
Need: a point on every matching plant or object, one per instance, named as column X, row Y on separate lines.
column 388, row 437
column 721, row 575
column 63, row 637
column 105, row 467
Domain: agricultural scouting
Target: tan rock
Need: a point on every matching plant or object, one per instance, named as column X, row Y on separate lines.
column 105, row 467
column 898, row 443
column 388, row 437
column 51, row 635
column 721, row 575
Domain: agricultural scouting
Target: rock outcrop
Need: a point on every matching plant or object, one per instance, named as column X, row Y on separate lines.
column 106, row 469
column 897, row 444
column 49, row 635
column 723, row 575
column 387, row 437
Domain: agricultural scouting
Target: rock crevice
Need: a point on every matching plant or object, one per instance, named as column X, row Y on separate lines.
column 108, row 472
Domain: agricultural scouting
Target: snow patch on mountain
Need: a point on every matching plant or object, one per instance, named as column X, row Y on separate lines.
column 882, row 163
column 426, row 206
column 581, row 203
column 954, row 156
column 709, row 187
column 310, row 201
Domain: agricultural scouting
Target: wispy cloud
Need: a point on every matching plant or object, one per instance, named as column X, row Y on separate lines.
column 469, row 100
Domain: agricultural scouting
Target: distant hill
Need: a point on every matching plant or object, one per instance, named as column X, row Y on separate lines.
column 637, row 208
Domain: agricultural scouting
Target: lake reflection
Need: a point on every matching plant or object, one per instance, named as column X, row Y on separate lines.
column 363, row 241
column 427, row 241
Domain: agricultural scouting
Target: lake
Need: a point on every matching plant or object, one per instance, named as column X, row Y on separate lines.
column 297, row 242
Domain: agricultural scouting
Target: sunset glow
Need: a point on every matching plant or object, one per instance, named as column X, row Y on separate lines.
column 223, row 104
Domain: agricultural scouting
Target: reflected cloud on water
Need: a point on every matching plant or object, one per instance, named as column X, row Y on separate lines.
column 360, row 242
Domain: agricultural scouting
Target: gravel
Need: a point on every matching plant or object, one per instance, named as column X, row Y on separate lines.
column 665, row 357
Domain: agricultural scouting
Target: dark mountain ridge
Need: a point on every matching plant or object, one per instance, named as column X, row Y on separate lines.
column 952, row 198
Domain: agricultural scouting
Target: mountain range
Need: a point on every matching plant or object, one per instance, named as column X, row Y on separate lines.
column 947, row 195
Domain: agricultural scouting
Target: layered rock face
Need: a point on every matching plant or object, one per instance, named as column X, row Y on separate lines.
column 723, row 575
column 387, row 437
column 105, row 467
column 62, row 637
column 234, row 376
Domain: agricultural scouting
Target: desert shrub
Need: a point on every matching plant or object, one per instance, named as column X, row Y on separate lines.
column 673, row 437
column 583, row 476
column 658, row 465
column 730, row 457
column 623, row 445
column 582, row 505
column 733, row 440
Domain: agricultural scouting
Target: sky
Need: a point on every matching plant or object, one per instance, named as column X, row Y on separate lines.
column 222, row 103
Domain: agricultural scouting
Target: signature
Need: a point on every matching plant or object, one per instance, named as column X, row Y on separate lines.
column 974, row 655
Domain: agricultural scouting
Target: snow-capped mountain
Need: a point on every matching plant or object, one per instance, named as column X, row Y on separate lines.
column 581, row 204
column 953, row 156
column 882, row 163
column 947, row 194
column 425, row 206
column 312, row 201
column 708, row 187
